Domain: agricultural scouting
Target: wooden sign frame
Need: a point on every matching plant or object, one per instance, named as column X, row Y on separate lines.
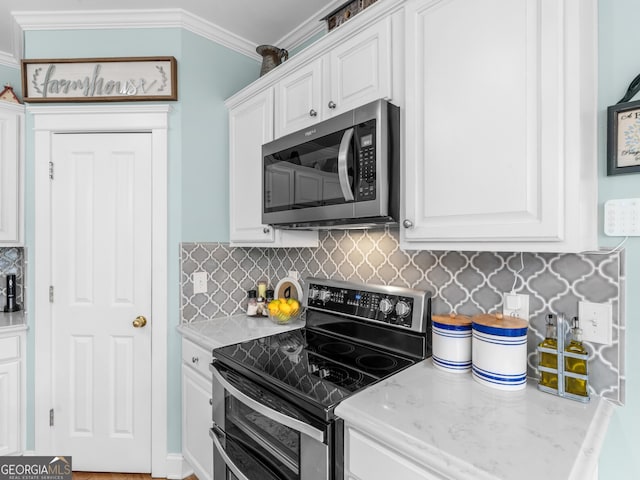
column 114, row 79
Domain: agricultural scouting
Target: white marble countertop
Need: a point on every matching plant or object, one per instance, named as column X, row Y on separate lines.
column 463, row 430
column 218, row 332
column 12, row 321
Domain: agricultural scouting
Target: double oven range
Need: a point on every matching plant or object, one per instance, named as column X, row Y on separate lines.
column 274, row 397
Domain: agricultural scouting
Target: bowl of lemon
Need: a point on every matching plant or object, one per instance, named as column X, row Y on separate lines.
column 284, row 310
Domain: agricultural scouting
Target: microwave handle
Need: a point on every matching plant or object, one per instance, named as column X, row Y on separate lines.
column 343, row 168
column 274, row 415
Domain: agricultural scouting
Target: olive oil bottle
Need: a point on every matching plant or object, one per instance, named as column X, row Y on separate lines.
column 576, row 386
column 549, row 360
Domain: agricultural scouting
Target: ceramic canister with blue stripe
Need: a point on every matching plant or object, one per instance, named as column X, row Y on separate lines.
column 499, row 351
column 451, row 336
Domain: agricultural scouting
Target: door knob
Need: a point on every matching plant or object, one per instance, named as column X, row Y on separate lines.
column 139, row 322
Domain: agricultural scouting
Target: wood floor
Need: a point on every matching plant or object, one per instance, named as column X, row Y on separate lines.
column 117, row 476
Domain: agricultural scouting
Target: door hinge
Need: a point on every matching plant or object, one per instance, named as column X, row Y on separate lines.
column 51, row 417
column 50, row 170
column 50, row 293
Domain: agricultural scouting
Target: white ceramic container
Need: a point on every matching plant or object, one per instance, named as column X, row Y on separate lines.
column 451, row 342
column 499, row 351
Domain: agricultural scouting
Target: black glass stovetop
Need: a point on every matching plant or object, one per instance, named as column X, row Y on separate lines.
column 314, row 366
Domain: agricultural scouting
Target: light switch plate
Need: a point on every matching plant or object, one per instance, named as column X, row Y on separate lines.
column 622, row 217
column 515, row 305
column 595, row 321
column 199, row 282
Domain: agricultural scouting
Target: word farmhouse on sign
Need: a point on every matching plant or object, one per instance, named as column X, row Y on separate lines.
column 95, row 80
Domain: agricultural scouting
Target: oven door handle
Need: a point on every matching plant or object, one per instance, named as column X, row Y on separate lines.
column 274, row 415
column 343, row 167
column 213, row 433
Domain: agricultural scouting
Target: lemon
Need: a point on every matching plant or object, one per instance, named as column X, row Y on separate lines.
column 285, row 308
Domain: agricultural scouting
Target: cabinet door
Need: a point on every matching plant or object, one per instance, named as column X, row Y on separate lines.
column 197, row 447
column 367, row 459
column 10, row 173
column 298, row 99
column 359, row 70
column 250, row 126
column 490, row 162
column 10, row 407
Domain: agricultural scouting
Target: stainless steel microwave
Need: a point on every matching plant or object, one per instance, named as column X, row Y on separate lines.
column 340, row 173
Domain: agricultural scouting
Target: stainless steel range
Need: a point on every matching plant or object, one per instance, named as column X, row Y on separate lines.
column 274, row 397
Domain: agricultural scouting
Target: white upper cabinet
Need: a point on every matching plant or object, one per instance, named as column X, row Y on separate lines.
column 360, row 69
column 11, row 173
column 500, row 124
column 250, row 126
column 299, row 99
column 355, row 72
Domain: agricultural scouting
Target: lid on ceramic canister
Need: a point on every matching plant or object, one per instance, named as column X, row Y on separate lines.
column 499, row 324
column 452, row 319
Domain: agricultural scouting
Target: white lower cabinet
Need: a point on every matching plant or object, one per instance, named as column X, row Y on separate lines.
column 197, row 447
column 12, row 416
column 367, row 459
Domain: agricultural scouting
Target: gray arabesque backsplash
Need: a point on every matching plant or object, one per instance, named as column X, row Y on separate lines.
column 464, row 282
column 12, row 262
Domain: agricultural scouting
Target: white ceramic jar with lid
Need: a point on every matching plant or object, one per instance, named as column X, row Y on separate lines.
column 451, row 336
column 499, row 351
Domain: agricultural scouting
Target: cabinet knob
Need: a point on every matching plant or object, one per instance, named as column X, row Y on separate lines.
column 332, row 105
column 313, row 113
column 266, row 230
column 407, row 224
column 211, row 401
column 195, row 359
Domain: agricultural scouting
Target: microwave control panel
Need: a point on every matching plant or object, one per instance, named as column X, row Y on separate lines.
column 366, row 161
column 367, row 169
column 397, row 308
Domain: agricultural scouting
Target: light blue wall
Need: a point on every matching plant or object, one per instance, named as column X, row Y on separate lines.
column 214, row 74
column 198, row 156
column 619, row 63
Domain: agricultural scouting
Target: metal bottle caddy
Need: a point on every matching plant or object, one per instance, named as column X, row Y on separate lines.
column 560, row 370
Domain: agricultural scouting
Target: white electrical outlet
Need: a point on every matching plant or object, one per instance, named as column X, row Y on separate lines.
column 199, row 282
column 515, row 305
column 595, row 321
column 294, row 274
column 622, row 217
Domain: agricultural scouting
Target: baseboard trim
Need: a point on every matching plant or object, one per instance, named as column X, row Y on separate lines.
column 177, row 467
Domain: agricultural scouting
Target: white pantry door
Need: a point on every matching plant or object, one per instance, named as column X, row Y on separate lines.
column 101, row 278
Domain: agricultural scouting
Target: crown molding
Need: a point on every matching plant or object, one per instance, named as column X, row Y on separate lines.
column 308, row 28
column 137, row 18
column 8, row 60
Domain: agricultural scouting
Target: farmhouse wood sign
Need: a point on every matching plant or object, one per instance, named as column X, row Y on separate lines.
column 99, row 79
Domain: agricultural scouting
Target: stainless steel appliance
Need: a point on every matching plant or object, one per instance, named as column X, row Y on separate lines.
column 343, row 172
column 274, row 397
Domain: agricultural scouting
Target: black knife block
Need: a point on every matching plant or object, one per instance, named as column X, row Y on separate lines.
column 11, row 305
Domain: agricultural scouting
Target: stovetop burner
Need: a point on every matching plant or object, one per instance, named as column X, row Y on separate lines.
column 377, row 362
column 336, row 348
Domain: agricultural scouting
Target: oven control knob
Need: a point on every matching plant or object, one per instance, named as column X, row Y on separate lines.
column 313, row 293
column 385, row 306
column 402, row 309
column 325, row 295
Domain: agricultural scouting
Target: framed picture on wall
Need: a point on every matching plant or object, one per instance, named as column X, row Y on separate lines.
column 623, row 138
